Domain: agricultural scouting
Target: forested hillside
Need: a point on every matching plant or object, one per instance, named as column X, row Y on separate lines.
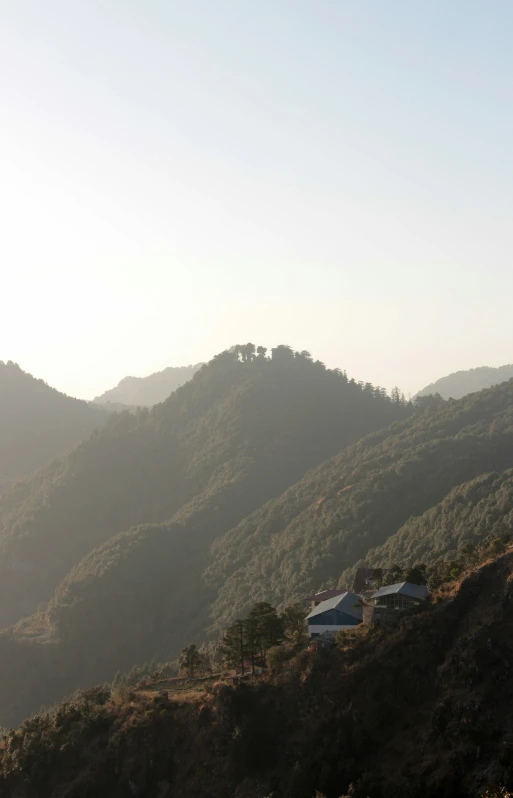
column 37, row 422
column 148, row 391
column 333, row 516
column 171, row 522
column 142, row 500
column 419, row 711
column 472, row 511
column 461, row 383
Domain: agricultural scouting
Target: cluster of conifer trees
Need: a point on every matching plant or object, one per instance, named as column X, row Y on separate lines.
column 284, row 354
column 246, row 643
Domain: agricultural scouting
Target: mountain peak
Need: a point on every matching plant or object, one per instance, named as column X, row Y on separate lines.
column 461, row 383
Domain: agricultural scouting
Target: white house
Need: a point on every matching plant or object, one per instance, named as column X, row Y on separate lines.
column 324, row 595
column 344, row 611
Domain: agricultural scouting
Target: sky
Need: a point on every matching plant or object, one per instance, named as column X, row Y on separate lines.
column 180, row 176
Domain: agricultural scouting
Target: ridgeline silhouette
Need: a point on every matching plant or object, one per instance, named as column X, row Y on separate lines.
column 37, row 423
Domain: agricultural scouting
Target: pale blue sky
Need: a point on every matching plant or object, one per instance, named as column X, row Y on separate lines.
column 177, row 177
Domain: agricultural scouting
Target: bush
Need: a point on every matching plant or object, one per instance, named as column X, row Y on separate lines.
column 277, row 656
column 497, row 546
column 122, row 694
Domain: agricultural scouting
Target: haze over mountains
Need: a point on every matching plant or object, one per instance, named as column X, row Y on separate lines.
column 263, row 478
column 138, row 504
column 37, row 422
column 358, row 500
column 150, row 390
column 461, row 383
column 182, row 176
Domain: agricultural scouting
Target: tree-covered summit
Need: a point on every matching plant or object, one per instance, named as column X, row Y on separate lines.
column 262, row 479
column 244, row 428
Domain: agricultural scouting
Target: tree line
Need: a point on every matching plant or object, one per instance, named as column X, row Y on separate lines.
column 248, row 643
column 284, row 355
column 444, row 570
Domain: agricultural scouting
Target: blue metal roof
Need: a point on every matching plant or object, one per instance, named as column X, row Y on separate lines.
column 344, row 603
column 404, row 589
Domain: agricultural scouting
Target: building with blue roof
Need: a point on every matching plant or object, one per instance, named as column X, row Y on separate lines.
column 340, row 612
column 401, row 595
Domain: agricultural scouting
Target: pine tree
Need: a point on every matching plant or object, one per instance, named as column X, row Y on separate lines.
column 252, row 644
column 234, row 645
column 268, row 627
column 190, row 660
column 293, row 622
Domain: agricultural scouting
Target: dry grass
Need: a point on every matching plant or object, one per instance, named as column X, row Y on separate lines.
column 182, row 688
column 35, row 627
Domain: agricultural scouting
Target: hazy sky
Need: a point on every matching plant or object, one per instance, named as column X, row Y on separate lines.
column 177, row 177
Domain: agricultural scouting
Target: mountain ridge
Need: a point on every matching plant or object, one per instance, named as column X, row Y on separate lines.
column 137, row 505
column 460, row 383
column 308, row 538
column 253, row 483
column 150, row 390
column 37, row 422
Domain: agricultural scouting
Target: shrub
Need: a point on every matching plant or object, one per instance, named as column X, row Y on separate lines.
column 122, row 694
column 277, row 656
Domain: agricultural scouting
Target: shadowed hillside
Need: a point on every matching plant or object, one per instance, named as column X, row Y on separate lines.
column 213, row 459
column 37, row 422
column 121, row 528
column 419, row 712
column 148, row 391
column 240, row 429
column 333, row 516
column 478, row 509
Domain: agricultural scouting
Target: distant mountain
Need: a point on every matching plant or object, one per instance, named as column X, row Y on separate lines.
column 108, row 546
column 461, row 383
column 148, row 391
column 37, row 422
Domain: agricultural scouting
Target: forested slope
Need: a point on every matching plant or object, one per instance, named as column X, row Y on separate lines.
column 422, row 711
column 37, row 422
column 121, row 529
column 333, row 516
column 472, row 511
column 259, row 424
column 186, row 515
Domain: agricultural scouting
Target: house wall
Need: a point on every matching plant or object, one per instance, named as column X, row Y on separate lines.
column 331, row 621
column 397, row 601
column 333, row 618
column 318, row 629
